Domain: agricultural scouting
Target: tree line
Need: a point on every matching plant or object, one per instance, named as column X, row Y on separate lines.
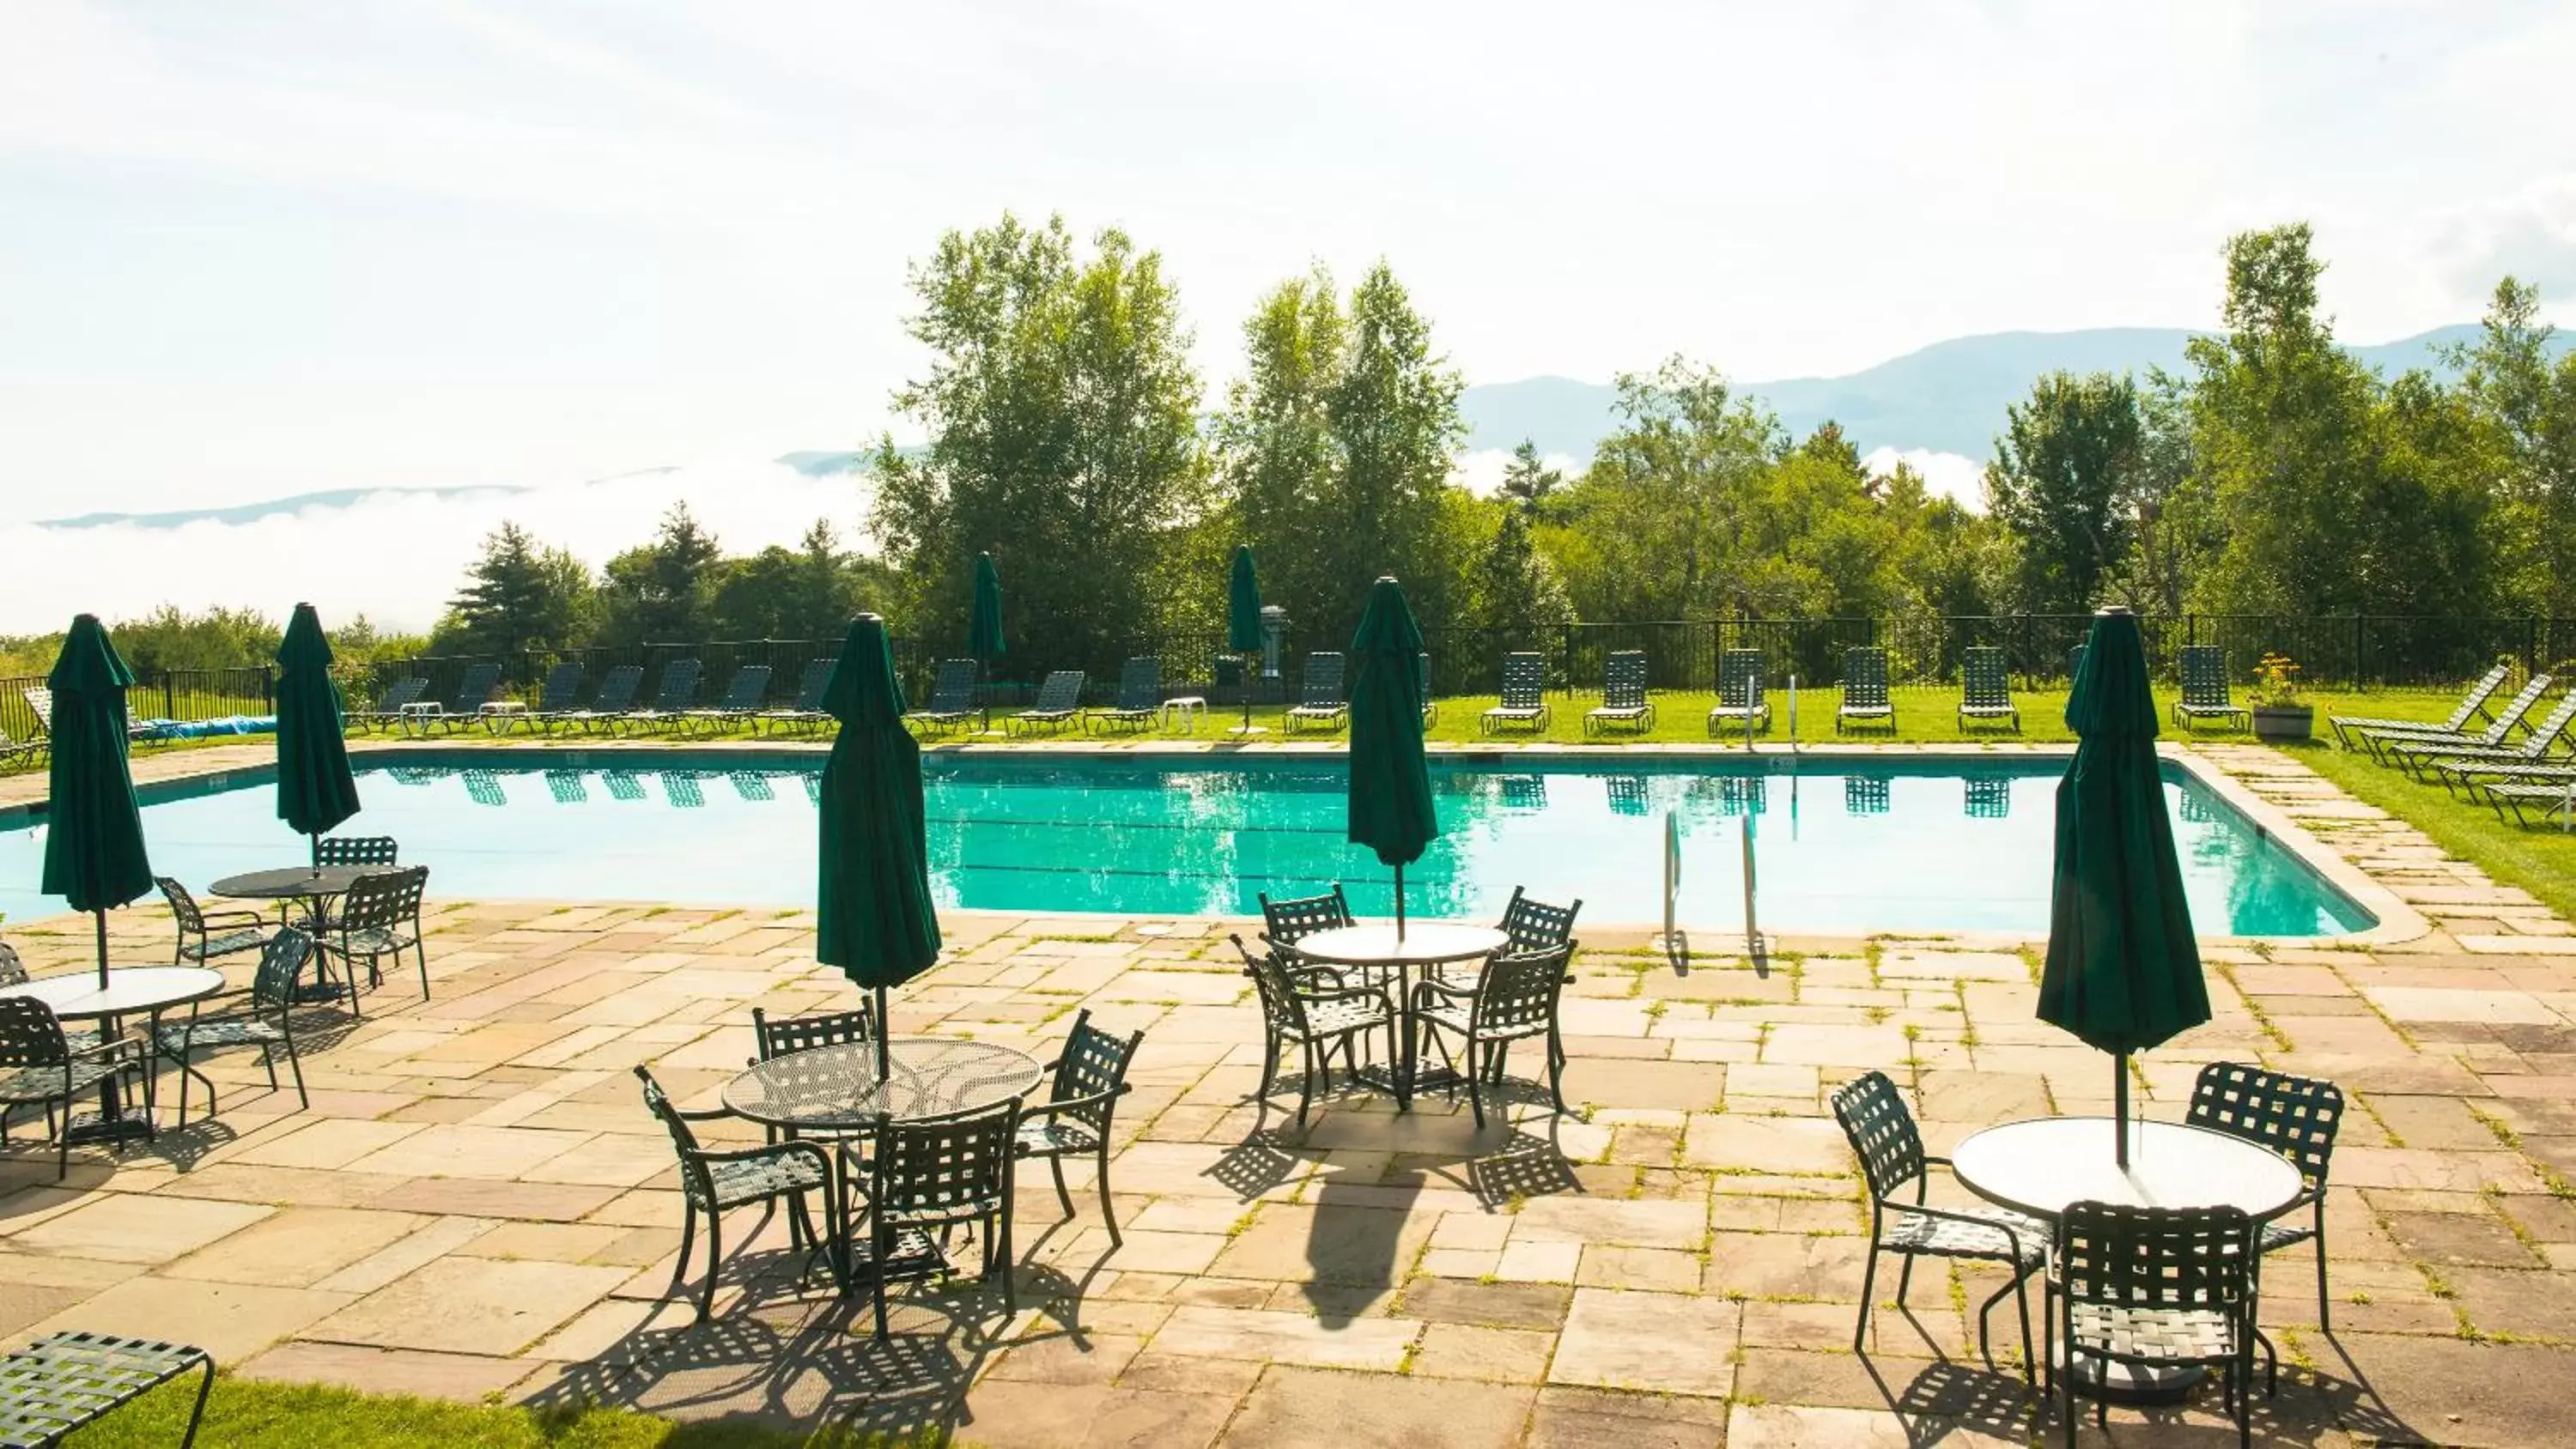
column 2272, row 474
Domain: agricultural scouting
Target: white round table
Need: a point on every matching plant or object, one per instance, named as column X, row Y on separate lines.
column 2041, row 1166
column 77, row 996
column 1424, row 943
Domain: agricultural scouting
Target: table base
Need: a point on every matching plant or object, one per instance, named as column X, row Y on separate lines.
column 89, row 1127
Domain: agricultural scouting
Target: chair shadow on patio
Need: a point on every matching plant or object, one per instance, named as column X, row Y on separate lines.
column 1949, row 1397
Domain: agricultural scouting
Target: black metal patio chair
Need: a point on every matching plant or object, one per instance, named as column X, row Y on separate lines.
column 2152, row 1288
column 2296, row 1117
column 206, row 935
column 380, row 917
column 66, row 1380
column 712, row 1181
column 260, row 1014
column 40, row 1067
column 1514, row 999
column 1081, row 1106
column 1883, row 1136
column 1315, row 1009
column 927, row 1174
column 780, row 1036
column 1285, row 923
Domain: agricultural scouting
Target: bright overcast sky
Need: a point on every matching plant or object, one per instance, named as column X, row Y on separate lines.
column 251, row 249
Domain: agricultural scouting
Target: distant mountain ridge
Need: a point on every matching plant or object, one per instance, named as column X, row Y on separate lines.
column 1947, row 398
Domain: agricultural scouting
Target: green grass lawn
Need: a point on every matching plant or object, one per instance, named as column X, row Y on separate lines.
column 2539, row 858
column 243, row 1414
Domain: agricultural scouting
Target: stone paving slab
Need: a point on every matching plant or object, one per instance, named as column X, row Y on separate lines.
column 476, row 1203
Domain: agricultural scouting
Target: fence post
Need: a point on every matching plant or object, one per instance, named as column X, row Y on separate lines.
column 2360, row 653
column 2531, row 645
column 169, row 695
column 1569, row 661
column 268, row 687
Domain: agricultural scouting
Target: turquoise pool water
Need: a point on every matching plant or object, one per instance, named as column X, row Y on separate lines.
column 1839, row 845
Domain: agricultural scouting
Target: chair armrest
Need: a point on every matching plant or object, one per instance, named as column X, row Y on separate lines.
column 123, row 1045
column 1070, row 1104
column 1428, row 986
column 219, row 919
column 1333, row 974
column 794, row 1147
column 703, row 1114
column 1376, row 993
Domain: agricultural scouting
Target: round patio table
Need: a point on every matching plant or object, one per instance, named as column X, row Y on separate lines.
column 77, row 996
column 1424, row 944
column 836, row 1089
column 314, row 885
column 2039, row 1167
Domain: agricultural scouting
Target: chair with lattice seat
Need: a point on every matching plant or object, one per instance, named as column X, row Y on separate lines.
column 380, row 917
column 1883, row 1136
column 1285, row 923
column 1513, row 1000
column 40, row 1067
column 1075, row 1119
column 357, row 850
column 712, row 1181
column 261, row 1014
column 925, row 1176
column 65, row 1380
column 205, row 935
column 1318, row 1011
column 2154, row 1289
column 2296, row 1117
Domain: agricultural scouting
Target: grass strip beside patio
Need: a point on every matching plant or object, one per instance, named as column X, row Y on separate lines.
column 253, row 1414
column 2539, row 858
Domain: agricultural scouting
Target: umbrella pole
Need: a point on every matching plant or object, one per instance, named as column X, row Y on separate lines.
column 1399, row 903
column 100, row 917
column 2120, row 1108
column 1247, row 694
column 885, row 1028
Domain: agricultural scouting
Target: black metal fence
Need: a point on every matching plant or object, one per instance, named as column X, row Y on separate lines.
column 2353, row 651
column 179, row 694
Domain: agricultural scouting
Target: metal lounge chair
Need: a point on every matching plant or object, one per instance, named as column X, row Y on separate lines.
column 1624, row 704
column 1319, row 695
column 1058, row 705
column 2204, row 690
column 65, row 1380
column 40, row 702
column 2473, row 706
column 12, row 751
column 673, row 697
column 2525, row 796
column 1985, row 690
column 1524, row 696
column 388, row 707
column 558, row 693
column 952, row 697
column 1740, row 703
column 808, row 709
column 742, row 696
column 464, row 707
column 2498, row 729
column 1865, row 698
column 616, row 696
column 1140, row 697
column 2536, row 752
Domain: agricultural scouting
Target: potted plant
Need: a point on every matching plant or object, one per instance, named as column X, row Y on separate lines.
column 2281, row 708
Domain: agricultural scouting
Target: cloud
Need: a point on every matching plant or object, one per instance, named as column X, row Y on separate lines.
column 394, row 557
column 2530, row 235
column 1947, row 474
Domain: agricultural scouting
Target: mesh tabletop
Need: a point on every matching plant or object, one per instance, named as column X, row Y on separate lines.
column 1425, row 943
column 837, row 1088
column 2038, row 1167
column 294, row 882
column 59, row 1383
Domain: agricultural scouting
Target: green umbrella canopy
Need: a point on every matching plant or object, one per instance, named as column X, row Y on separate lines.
column 984, row 628
column 1243, row 604
column 315, row 790
column 877, row 923
column 1390, row 784
column 94, row 857
column 2123, row 968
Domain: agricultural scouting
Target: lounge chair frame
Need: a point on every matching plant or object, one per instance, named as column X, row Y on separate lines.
column 1985, row 688
column 1523, row 702
column 1320, row 701
column 1864, row 698
column 1624, row 703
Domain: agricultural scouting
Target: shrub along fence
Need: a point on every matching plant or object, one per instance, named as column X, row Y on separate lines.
column 2348, row 651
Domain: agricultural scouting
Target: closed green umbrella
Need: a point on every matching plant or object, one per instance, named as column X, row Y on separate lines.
column 984, row 625
column 877, row 923
column 2123, row 968
column 94, row 857
column 1243, row 620
column 315, row 790
column 1390, row 782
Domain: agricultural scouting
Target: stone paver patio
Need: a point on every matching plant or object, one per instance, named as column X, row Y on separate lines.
column 477, row 1203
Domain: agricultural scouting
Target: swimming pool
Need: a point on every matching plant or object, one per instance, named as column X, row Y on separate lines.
column 1841, row 845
